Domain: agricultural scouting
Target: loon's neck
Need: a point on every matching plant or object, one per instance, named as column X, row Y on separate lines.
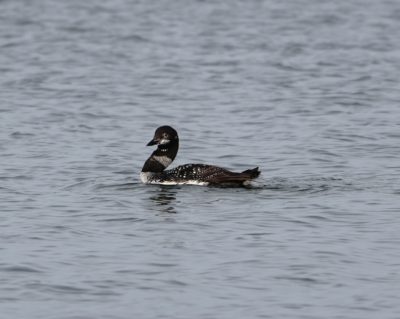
column 162, row 157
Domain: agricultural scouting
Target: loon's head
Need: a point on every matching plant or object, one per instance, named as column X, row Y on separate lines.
column 168, row 143
column 164, row 136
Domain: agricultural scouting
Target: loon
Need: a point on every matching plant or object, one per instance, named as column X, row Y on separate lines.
column 153, row 171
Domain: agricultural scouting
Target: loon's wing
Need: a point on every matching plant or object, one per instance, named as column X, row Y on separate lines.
column 210, row 174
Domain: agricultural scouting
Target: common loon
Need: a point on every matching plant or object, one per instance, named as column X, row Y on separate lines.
column 153, row 171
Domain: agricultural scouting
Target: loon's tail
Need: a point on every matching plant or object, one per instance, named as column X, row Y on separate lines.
column 251, row 173
column 227, row 177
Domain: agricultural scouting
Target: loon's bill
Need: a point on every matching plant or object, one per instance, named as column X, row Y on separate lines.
column 154, row 169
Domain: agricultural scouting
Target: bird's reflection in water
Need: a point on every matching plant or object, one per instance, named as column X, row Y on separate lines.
column 164, row 199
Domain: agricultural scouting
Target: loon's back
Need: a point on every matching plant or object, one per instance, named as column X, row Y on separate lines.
column 200, row 174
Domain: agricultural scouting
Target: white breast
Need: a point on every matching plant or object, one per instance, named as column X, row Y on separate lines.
column 146, row 177
column 189, row 182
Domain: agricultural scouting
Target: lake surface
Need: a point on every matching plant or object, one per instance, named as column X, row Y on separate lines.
column 309, row 91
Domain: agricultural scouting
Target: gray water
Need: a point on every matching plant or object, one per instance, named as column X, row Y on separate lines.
column 306, row 90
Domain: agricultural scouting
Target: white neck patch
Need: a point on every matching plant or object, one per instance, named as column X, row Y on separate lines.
column 163, row 160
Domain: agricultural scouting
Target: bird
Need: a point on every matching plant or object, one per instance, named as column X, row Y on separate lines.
column 167, row 141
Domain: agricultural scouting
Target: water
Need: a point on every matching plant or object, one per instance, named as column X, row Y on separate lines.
column 307, row 90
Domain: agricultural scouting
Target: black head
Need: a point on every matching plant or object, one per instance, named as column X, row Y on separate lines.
column 168, row 143
column 164, row 135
